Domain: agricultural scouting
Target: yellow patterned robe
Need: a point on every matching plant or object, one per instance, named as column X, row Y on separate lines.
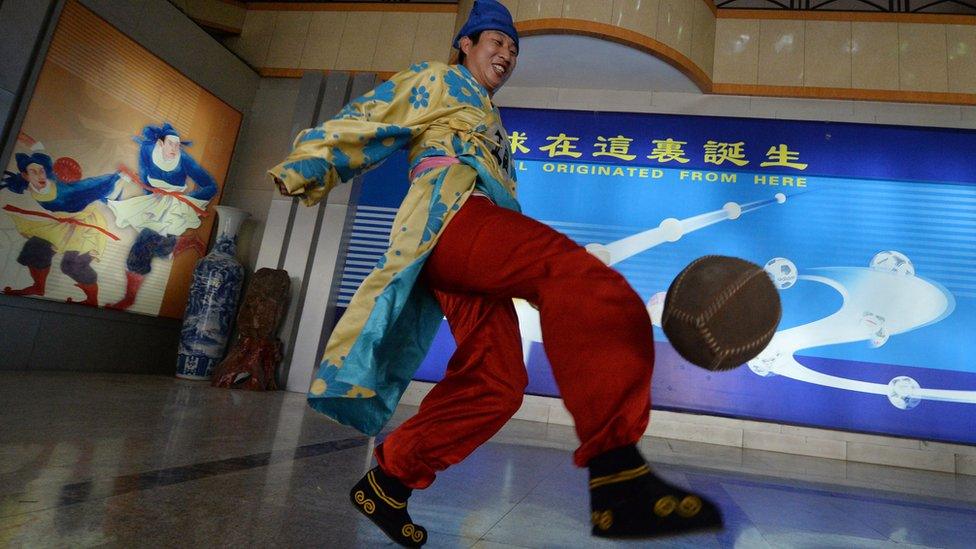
column 434, row 110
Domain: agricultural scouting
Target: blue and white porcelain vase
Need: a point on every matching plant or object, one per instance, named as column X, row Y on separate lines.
column 214, row 295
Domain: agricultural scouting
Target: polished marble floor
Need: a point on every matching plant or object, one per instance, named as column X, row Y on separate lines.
column 136, row 461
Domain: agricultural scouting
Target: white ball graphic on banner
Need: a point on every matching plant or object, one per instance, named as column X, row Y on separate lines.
column 765, row 364
column 875, row 326
column 894, row 262
column 655, row 307
column 901, row 391
column 782, row 271
column 672, row 229
column 732, row 210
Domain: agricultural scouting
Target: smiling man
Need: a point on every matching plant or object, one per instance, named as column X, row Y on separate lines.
column 460, row 248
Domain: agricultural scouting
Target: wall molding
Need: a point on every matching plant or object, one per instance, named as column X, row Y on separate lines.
column 746, row 90
column 810, row 92
column 748, row 434
column 711, row 6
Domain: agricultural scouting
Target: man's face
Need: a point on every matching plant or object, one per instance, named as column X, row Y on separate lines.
column 170, row 146
column 36, row 176
column 492, row 60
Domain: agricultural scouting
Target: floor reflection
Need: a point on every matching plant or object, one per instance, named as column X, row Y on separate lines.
column 88, row 460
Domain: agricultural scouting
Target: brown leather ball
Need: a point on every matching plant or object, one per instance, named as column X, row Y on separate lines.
column 720, row 312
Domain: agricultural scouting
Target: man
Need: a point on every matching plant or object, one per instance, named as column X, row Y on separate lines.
column 71, row 223
column 459, row 245
column 166, row 209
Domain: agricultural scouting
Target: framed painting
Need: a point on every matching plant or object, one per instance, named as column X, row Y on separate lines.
column 108, row 198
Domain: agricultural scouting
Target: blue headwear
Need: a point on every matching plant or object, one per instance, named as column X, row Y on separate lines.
column 24, row 160
column 15, row 182
column 151, row 134
column 488, row 15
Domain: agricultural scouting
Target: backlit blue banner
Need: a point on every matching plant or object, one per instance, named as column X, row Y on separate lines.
column 749, row 146
column 866, row 230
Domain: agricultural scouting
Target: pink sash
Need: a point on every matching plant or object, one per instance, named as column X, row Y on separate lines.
column 430, row 163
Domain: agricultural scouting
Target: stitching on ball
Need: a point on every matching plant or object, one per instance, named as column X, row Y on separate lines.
column 755, row 343
column 676, row 285
column 700, row 321
column 682, row 315
column 710, row 340
column 724, row 297
column 748, row 347
column 719, row 358
column 673, row 311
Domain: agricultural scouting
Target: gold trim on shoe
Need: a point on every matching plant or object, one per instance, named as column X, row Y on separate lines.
column 689, row 506
column 665, row 506
column 602, row 519
column 412, row 532
column 380, row 494
column 367, row 503
column 620, row 477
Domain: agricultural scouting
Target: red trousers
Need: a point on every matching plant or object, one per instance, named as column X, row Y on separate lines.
column 595, row 329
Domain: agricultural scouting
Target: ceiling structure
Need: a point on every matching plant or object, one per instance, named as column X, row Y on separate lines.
column 961, row 7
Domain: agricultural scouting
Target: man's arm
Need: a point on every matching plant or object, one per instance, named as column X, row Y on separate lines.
column 363, row 134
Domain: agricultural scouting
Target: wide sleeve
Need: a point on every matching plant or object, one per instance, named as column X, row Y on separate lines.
column 364, row 133
column 76, row 196
column 206, row 186
column 94, row 188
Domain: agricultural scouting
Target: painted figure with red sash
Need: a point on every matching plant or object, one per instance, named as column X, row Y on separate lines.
column 70, row 221
column 167, row 208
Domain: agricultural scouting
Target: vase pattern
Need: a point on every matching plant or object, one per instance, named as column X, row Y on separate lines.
column 214, row 297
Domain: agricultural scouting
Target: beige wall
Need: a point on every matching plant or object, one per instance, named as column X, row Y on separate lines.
column 350, row 40
column 766, row 55
column 343, row 40
column 860, row 55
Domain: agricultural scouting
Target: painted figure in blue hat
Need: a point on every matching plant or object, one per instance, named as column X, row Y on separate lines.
column 461, row 249
column 167, row 207
column 69, row 222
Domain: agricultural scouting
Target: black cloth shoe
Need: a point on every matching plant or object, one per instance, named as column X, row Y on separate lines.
column 628, row 501
column 383, row 499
